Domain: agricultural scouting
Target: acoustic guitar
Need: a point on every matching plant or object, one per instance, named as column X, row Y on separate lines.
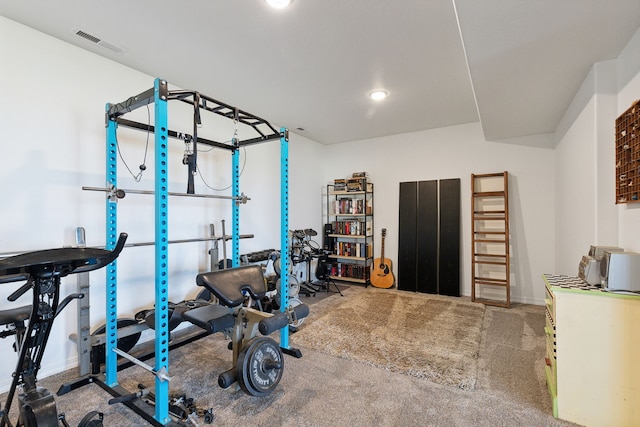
column 382, row 276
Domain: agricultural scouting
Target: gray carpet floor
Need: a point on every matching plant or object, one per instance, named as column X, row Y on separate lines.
column 321, row 390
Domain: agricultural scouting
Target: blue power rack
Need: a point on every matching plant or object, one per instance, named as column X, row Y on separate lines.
column 159, row 95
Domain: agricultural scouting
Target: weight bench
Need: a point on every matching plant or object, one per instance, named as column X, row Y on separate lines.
column 257, row 361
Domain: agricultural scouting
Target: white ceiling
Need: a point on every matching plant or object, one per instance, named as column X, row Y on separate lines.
column 514, row 65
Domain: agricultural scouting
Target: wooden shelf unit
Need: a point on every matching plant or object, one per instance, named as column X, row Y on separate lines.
column 350, row 214
column 628, row 155
column 490, row 239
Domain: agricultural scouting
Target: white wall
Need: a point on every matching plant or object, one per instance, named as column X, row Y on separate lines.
column 586, row 212
column 583, row 200
column 52, row 113
column 629, row 92
column 457, row 152
column 53, row 143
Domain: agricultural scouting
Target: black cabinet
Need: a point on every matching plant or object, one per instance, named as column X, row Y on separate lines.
column 429, row 237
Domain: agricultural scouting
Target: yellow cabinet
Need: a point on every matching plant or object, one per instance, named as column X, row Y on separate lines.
column 593, row 353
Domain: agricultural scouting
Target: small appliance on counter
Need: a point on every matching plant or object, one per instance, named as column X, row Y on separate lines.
column 620, row 271
column 589, row 270
column 589, row 267
column 597, row 251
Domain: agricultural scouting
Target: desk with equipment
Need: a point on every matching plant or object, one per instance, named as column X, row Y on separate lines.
column 593, row 348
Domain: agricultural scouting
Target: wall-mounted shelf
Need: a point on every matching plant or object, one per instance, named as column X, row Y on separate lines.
column 628, row 155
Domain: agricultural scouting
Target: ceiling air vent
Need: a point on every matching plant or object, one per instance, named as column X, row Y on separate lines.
column 97, row 40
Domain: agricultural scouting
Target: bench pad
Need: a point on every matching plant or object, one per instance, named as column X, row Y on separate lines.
column 228, row 284
column 212, row 318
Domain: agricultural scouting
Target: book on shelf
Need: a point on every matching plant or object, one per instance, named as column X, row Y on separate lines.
column 353, row 228
column 352, row 185
column 356, row 184
column 351, row 249
column 351, row 206
column 349, row 270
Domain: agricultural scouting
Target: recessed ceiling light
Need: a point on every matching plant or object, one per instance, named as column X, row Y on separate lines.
column 279, row 4
column 378, row 95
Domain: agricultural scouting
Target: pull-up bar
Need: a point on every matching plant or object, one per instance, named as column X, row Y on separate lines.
column 265, row 131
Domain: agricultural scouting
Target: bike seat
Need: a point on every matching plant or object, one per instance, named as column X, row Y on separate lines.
column 14, row 315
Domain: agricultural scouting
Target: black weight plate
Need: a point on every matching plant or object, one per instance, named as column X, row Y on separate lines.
column 260, row 366
column 125, row 343
column 139, row 316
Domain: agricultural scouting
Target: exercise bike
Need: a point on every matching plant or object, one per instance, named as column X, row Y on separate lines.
column 42, row 270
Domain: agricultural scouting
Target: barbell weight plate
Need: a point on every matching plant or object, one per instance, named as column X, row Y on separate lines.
column 294, row 287
column 293, row 303
column 277, row 266
column 260, row 366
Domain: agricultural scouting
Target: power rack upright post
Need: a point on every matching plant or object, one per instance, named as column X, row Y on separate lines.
column 159, row 95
